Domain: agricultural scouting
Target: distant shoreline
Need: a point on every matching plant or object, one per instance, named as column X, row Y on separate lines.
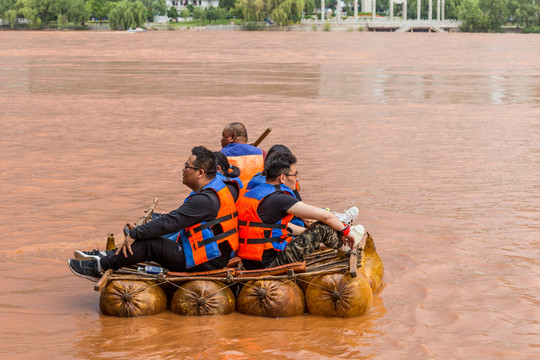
column 303, row 27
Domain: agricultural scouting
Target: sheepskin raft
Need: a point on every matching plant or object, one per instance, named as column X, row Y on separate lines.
column 129, row 298
column 328, row 283
column 203, row 297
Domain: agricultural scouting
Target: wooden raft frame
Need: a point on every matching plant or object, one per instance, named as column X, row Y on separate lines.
column 320, row 263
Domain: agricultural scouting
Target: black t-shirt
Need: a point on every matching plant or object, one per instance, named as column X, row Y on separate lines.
column 272, row 209
column 202, row 206
column 233, row 188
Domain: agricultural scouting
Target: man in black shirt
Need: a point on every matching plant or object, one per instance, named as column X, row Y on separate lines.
column 147, row 242
column 267, row 238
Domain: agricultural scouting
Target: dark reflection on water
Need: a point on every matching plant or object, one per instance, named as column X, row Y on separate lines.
column 172, row 78
column 434, row 137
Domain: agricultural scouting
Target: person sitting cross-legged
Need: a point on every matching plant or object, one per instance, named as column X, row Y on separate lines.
column 206, row 225
column 266, row 236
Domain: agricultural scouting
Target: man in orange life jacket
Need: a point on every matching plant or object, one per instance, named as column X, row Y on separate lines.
column 247, row 157
column 266, row 238
column 206, row 224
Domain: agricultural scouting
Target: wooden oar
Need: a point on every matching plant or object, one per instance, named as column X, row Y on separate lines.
column 262, row 137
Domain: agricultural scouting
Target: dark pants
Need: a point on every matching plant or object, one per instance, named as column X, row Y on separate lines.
column 166, row 252
column 299, row 248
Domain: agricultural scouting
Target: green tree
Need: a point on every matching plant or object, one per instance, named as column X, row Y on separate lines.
column 213, row 13
column 120, row 16
column 12, row 16
column 173, row 12
column 226, row 4
column 347, row 6
column 279, row 16
column 280, row 11
column 383, row 6
column 73, row 11
column 221, row 13
column 199, row 14
column 525, row 12
column 38, row 12
column 159, row 6
column 154, row 7
column 310, row 6
column 252, row 10
column 77, row 12
column 293, row 9
column 496, row 12
column 139, row 12
column 6, row 5
column 98, row 8
column 60, row 8
column 472, row 17
column 185, row 14
column 451, row 9
column 9, row 10
column 127, row 14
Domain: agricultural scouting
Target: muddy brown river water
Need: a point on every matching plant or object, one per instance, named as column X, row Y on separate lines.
column 435, row 137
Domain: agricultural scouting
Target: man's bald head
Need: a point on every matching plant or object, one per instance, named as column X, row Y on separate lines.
column 234, row 132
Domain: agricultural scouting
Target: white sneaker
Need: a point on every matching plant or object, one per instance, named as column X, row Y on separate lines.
column 348, row 216
column 357, row 231
column 88, row 255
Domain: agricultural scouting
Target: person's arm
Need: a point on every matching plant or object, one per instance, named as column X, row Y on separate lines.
column 296, row 230
column 199, row 207
column 303, row 210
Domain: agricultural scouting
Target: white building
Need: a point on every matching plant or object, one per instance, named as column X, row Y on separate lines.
column 181, row 4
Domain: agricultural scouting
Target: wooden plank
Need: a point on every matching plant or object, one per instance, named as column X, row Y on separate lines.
column 103, row 281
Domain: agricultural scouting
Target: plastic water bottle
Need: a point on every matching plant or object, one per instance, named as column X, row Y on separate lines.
column 150, row 269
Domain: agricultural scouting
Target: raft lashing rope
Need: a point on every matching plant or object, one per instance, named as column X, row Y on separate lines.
column 326, row 284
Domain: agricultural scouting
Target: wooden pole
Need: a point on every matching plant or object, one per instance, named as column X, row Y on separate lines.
column 148, row 213
column 103, row 281
column 353, row 260
column 262, row 137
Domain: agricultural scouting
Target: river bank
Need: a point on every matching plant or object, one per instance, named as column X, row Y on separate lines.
column 362, row 25
column 304, row 27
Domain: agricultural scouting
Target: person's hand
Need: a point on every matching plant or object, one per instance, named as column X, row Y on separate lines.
column 126, row 246
column 349, row 240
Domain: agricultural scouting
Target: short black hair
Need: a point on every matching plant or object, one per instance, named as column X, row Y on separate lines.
column 277, row 164
column 278, row 148
column 238, row 129
column 228, row 169
column 206, row 160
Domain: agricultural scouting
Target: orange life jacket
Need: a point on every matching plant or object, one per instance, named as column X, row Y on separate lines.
column 254, row 236
column 200, row 244
column 235, row 180
column 247, row 157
